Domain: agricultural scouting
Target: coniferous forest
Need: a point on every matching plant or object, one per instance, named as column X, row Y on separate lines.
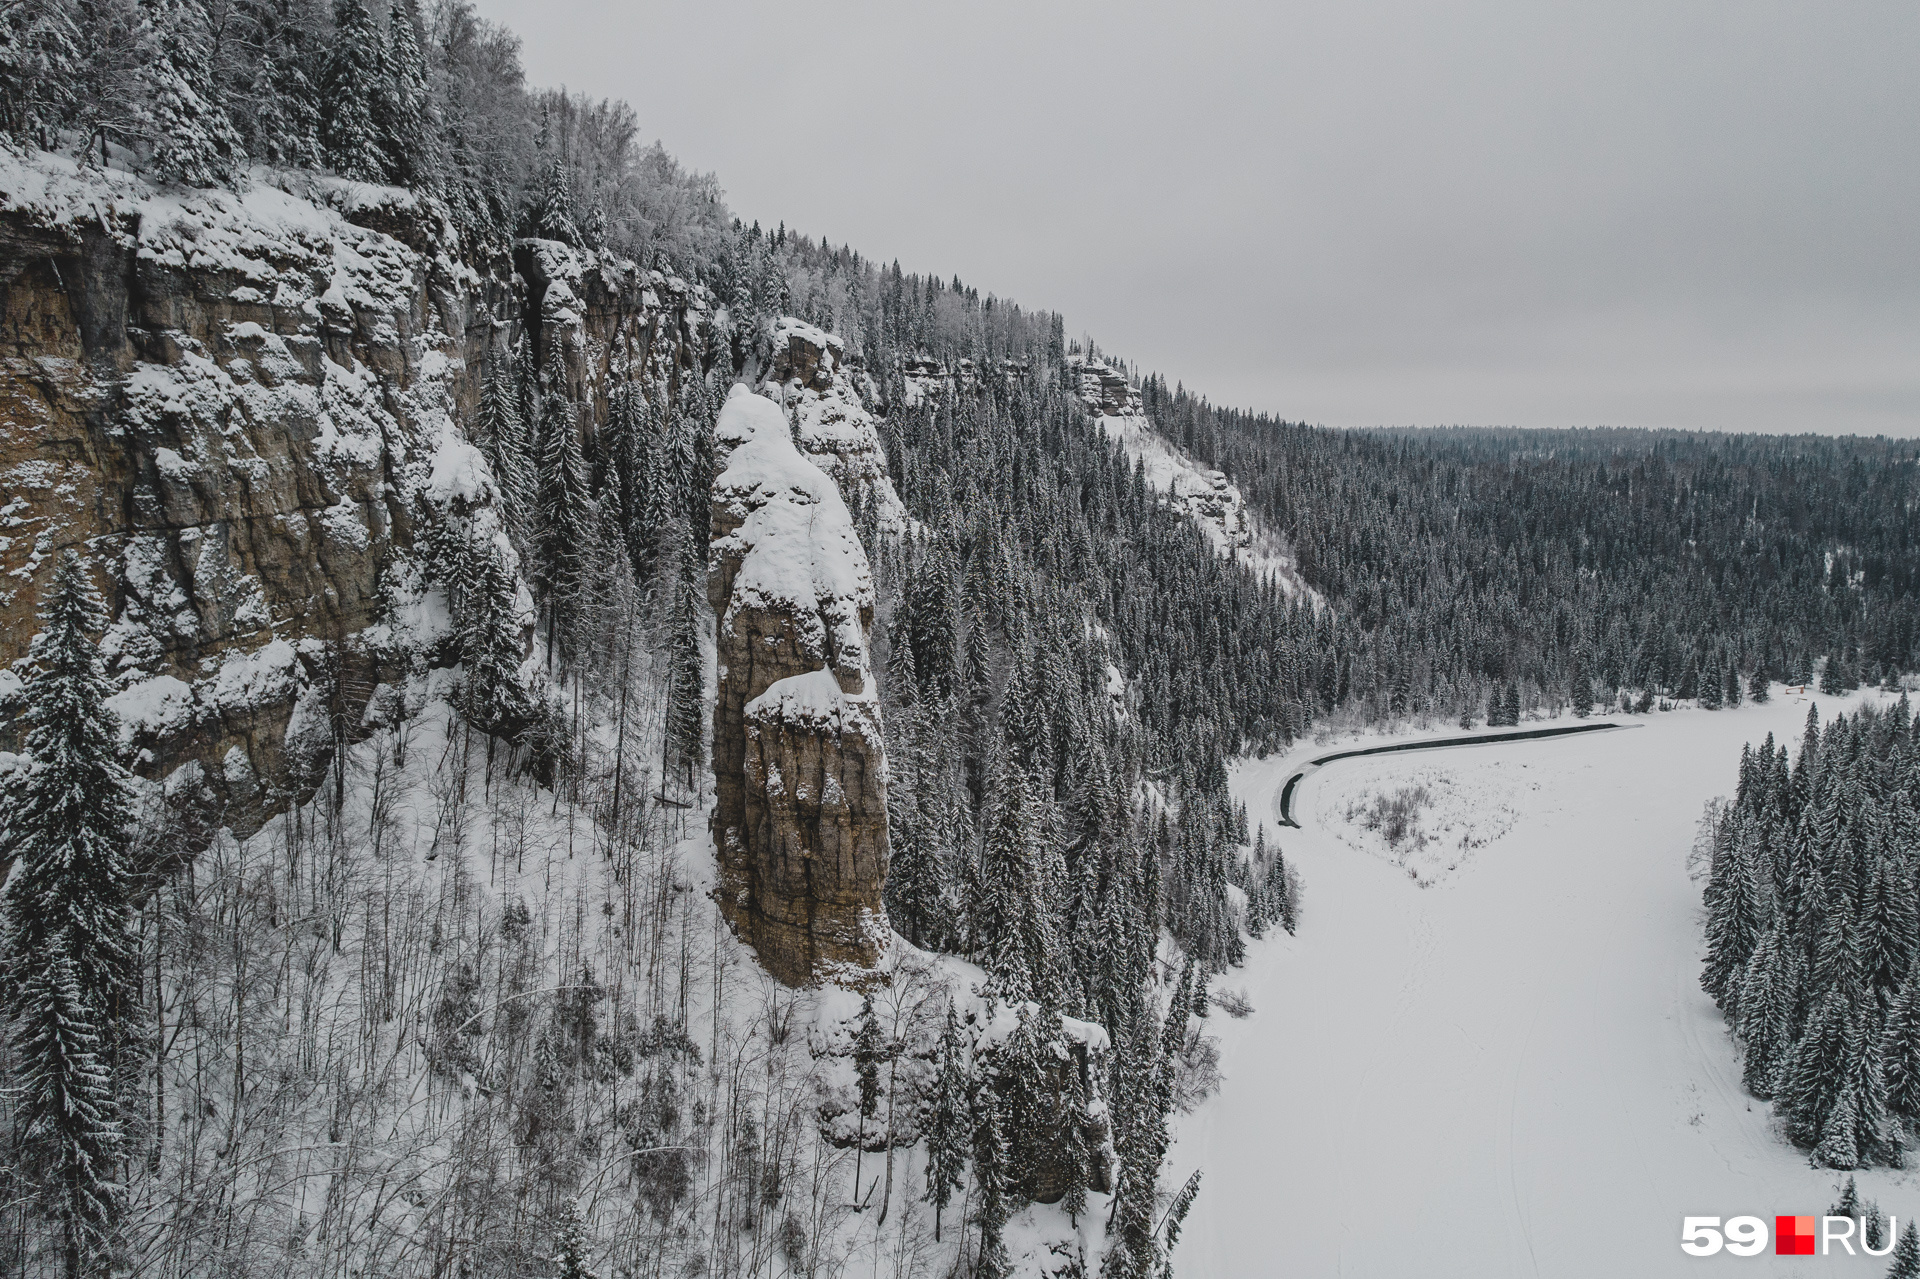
column 1812, row 927
column 452, row 997
column 1632, row 564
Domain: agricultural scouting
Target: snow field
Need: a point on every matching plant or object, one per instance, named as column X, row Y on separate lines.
column 1517, row 1074
column 1427, row 818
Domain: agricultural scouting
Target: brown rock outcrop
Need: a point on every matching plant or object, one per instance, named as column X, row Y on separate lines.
column 800, row 818
column 237, row 405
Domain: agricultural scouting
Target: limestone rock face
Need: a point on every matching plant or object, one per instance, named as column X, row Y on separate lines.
column 1107, row 391
column 827, row 397
column 804, row 354
column 800, row 818
column 240, row 407
column 924, row 378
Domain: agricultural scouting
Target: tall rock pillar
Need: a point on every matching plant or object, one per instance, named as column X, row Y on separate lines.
column 800, row 820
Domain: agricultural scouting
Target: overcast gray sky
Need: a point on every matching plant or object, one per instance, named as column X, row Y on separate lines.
column 1527, row 212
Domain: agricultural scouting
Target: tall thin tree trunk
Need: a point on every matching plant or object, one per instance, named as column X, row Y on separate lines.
column 159, row 1034
column 893, row 1070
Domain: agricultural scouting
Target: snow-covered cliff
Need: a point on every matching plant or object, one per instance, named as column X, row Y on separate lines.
column 1204, row 495
column 242, row 406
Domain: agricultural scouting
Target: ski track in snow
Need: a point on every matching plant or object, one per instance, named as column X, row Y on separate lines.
column 1509, row 1070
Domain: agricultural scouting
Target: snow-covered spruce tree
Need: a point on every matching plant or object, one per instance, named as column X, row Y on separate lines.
column 990, row 1181
column 869, row 1051
column 593, row 231
column 41, row 66
column 1841, row 1140
column 564, row 544
column 1906, row 1255
column 742, row 319
column 686, row 672
column 1890, row 922
column 1143, row 1102
column 1712, row 686
column 492, row 648
column 285, row 124
column 194, row 143
column 1023, row 719
column 916, row 888
column 1735, row 909
column 570, row 1245
column 684, row 482
column 1042, row 1114
column 660, row 501
column 699, row 415
column 947, row 1133
column 550, row 215
column 1810, row 1083
column 1867, row 1088
column 632, row 463
column 1014, row 913
column 503, row 438
column 1900, row 1050
column 1580, row 687
column 403, row 109
column 1848, row 1203
column 527, row 386
column 1271, row 899
column 1260, row 912
column 73, row 1001
column 1769, row 993
column 351, row 87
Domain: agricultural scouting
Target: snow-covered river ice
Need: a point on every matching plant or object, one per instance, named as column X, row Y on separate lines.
column 1491, row 1056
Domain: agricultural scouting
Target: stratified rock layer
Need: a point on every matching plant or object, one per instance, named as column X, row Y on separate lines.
column 800, row 818
column 240, row 406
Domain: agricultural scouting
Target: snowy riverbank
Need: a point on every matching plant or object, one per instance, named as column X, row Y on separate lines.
column 1503, row 1066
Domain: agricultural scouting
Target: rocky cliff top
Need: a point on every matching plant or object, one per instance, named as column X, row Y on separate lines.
column 241, row 405
column 828, row 398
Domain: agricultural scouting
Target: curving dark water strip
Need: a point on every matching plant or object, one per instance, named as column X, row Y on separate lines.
column 1432, row 743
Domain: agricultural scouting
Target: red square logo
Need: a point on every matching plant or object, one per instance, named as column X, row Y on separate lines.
column 1793, row 1236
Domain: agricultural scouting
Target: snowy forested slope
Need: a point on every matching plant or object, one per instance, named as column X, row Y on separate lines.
column 1512, row 1071
column 470, row 807
column 1207, row 497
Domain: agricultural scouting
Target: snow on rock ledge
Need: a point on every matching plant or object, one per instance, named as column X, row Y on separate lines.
column 832, row 424
column 800, row 819
column 229, row 401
